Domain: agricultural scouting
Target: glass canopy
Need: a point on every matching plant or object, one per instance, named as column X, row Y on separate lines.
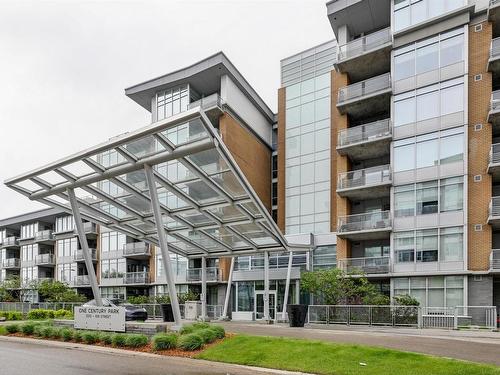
column 208, row 207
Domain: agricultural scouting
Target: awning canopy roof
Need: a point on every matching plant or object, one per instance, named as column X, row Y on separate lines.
column 208, row 206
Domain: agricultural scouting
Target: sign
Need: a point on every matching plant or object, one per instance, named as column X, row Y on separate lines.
column 100, row 318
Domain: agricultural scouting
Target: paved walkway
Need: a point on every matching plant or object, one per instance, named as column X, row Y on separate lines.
column 477, row 346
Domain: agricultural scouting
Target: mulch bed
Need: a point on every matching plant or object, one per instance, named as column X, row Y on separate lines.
column 143, row 349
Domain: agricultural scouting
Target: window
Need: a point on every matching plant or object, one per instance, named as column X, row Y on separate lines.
column 404, row 156
column 408, row 13
column 452, row 190
column 324, row 257
column 171, row 102
column 404, row 111
column 404, row 200
column 427, row 245
column 452, row 146
column 427, row 198
column 452, row 99
column 427, row 58
column 404, row 247
column 427, row 150
column 452, row 244
column 452, row 50
column 404, row 65
column 428, row 103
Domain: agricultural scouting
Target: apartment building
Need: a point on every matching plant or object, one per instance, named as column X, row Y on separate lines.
column 384, row 157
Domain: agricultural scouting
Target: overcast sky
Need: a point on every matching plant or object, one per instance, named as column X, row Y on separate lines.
column 64, row 65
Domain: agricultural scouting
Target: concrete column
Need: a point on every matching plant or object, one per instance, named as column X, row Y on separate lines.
column 85, row 247
column 162, row 239
column 266, row 285
column 203, row 288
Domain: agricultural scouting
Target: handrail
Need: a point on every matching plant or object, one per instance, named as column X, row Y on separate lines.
column 367, row 42
column 495, row 100
column 367, row 87
column 78, row 256
column 365, row 132
column 141, row 277
column 495, row 259
column 136, row 248
column 45, row 259
column 364, row 177
column 11, row 262
column 495, row 153
column 10, row 241
column 43, row 235
column 365, row 221
column 194, row 274
column 369, row 265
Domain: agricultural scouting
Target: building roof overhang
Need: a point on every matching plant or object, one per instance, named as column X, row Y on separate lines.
column 208, row 207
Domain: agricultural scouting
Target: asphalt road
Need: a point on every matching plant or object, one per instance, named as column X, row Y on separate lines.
column 27, row 359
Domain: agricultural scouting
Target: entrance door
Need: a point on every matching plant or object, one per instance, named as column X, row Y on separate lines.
column 259, row 305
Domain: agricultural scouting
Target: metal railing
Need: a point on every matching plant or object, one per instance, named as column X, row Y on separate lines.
column 494, row 207
column 10, row 241
column 136, row 248
column 44, row 235
column 213, row 100
column 495, row 259
column 362, row 222
column 194, row 274
column 154, row 310
column 368, row 265
column 495, row 154
column 495, row 48
column 78, row 256
column 89, row 227
column 82, row 280
column 26, row 307
column 367, row 87
column 364, row 133
column 11, row 263
column 45, row 259
column 364, row 177
column 136, row 278
column 495, row 101
column 366, row 43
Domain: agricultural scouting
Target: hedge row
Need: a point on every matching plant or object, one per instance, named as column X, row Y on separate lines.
column 37, row 314
column 191, row 337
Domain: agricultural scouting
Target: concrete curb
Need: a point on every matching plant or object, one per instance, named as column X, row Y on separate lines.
column 131, row 353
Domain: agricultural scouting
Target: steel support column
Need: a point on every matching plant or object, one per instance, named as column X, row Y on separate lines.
column 266, row 286
column 228, row 289
column 85, row 247
column 203, row 288
column 162, row 239
column 287, row 285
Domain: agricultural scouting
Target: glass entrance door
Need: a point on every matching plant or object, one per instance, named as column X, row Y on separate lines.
column 259, row 305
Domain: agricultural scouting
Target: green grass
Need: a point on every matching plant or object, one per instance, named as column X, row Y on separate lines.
column 332, row 358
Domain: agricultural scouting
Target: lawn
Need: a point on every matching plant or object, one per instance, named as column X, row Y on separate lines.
column 331, row 358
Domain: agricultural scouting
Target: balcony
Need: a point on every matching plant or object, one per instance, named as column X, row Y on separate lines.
column 367, row 226
column 90, row 229
column 494, row 113
column 44, row 237
column 136, row 250
column 367, row 141
column 494, row 60
column 494, row 213
column 136, row 278
column 495, row 260
column 78, row 256
column 11, row 264
column 369, row 266
column 494, row 15
column 45, row 260
column 366, row 183
column 82, row 280
column 360, row 16
column 10, row 242
column 366, row 98
column 494, row 161
column 366, row 56
column 194, row 274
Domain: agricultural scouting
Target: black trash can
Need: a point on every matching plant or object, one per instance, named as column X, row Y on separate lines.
column 167, row 312
column 297, row 315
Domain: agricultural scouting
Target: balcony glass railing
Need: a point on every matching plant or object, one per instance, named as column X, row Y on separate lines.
column 136, row 248
column 366, row 43
column 78, row 256
column 10, row 241
column 11, row 263
column 495, row 154
column 495, row 259
column 81, row 280
column 89, row 227
column 495, row 101
column 43, row 235
column 495, row 48
column 368, row 265
column 213, row 100
column 194, row 274
column 364, row 133
column 136, row 278
column 364, row 222
column 494, row 207
column 364, row 177
column 44, row 259
column 364, row 88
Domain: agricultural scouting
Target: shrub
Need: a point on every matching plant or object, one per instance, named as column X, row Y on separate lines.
column 207, row 335
column 138, row 300
column 66, row 334
column 63, row 314
column 47, row 331
column 219, row 331
column 106, row 338
column 11, row 315
column 12, row 328
column 28, row 328
column 38, row 330
column 38, row 314
column 56, row 333
column 190, row 342
column 187, row 329
column 3, row 331
column 77, row 335
column 201, row 325
column 136, row 340
column 119, row 339
column 164, row 341
column 90, row 337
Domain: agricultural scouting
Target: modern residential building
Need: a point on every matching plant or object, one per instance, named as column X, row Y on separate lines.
column 384, row 157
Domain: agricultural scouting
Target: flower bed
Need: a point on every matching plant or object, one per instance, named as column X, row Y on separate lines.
column 189, row 341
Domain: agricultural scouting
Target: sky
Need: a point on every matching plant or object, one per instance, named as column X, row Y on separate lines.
column 64, row 65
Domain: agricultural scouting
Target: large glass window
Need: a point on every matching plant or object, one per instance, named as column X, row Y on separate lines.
column 412, row 12
column 427, row 58
column 427, row 197
column 404, row 65
column 172, row 102
column 404, row 200
column 427, row 245
column 324, row 257
column 452, row 244
column 427, row 150
column 434, row 291
column 452, row 194
column 404, row 155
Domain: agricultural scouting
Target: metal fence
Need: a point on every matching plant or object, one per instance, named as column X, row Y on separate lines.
column 460, row 317
column 154, row 310
column 26, row 307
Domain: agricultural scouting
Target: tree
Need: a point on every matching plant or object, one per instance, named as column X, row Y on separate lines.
column 406, row 300
column 57, row 291
column 335, row 287
column 15, row 289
